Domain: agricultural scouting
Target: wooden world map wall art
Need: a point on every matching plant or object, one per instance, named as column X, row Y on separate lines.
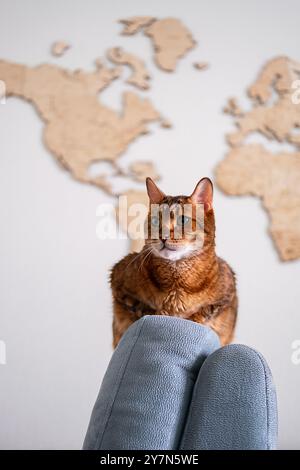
column 80, row 130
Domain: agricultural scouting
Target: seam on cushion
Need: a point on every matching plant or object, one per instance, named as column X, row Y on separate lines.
column 189, row 414
column 263, row 363
column 262, row 360
column 98, row 443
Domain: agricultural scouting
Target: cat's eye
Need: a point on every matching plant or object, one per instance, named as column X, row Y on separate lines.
column 183, row 220
column 155, row 221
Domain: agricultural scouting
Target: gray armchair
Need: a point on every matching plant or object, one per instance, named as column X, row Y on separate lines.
column 170, row 385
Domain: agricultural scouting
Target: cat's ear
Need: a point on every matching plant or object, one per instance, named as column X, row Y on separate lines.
column 203, row 193
column 155, row 194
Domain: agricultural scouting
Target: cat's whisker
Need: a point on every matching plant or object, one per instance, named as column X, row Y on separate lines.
column 145, row 254
column 138, row 255
column 150, row 251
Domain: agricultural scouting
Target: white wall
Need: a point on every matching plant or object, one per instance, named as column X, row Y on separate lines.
column 54, row 296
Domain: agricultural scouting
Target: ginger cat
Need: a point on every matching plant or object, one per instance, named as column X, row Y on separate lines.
column 176, row 275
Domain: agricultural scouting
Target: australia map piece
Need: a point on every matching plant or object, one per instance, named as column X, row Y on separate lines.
column 59, row 48
column 79, row 129
column 170, row 38
column 255, row 170
column 140, row 76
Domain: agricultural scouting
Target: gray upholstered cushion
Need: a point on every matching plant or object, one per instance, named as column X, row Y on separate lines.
column 233, row 404
column 146, row 392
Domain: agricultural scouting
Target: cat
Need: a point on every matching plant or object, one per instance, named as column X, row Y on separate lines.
column 176, row 275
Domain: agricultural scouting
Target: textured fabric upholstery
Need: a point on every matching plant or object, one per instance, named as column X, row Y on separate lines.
column 169, row 385
column 233, row 404
column 146, row 391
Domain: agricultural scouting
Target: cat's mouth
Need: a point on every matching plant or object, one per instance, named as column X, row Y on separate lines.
column 171, row 247
column 174, row 251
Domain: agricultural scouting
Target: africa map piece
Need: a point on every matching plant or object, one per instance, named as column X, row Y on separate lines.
column 170, row 38
column 275, row 178
column 59, row 48
column 140, row 76
column 252, row 169
column 79, row 129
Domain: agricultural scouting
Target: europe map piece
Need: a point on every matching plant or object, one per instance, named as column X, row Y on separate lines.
column 170, row 38
column 255, row 170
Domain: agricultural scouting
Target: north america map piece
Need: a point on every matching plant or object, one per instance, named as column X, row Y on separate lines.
column 79, row 129
column 140, row 76
column 135, row 24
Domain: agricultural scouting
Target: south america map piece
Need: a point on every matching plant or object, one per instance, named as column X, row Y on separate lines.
column 140, row 76
column 171, row 39
column 255, row 170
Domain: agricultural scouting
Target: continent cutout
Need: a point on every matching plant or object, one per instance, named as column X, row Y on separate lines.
column 59, row 48
column 253, row 169
column 140, row 76
column 170, row 38
column 136, row 23
column 141, row 170
column 201, row 65
column 233, row 108
column 79, row 129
